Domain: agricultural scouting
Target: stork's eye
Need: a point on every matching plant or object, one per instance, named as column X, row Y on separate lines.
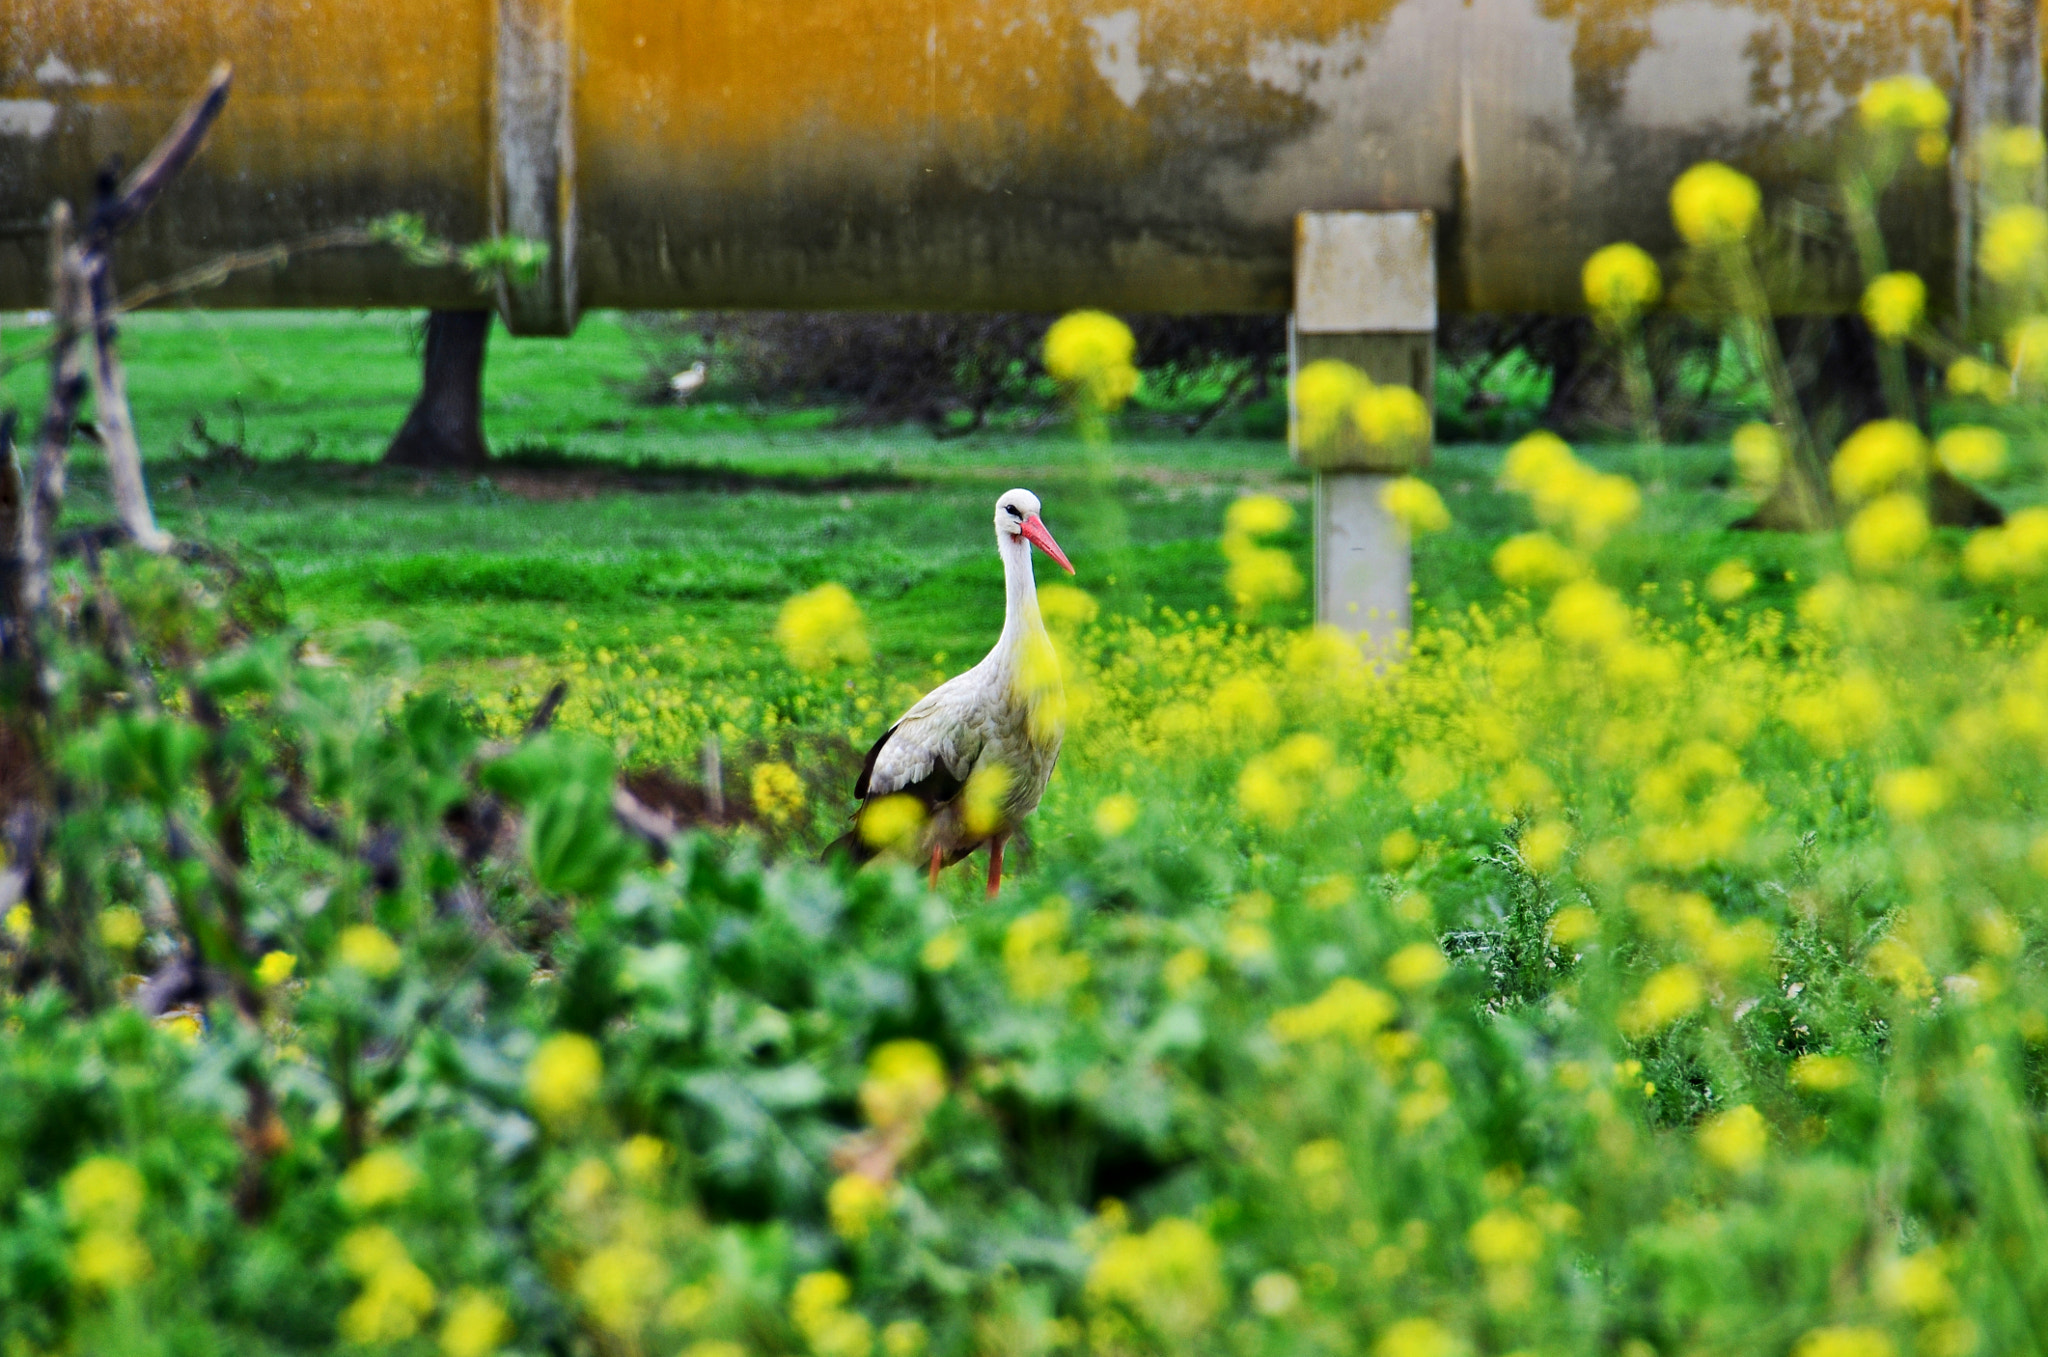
column 1015, row 512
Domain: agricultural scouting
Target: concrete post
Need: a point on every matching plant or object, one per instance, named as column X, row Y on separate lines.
column 1365, row 294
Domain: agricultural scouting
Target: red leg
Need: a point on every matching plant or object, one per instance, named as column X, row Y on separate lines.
column 995, row 866
column 935, row 869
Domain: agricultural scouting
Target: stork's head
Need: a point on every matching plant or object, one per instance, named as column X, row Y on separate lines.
column 1017, row 521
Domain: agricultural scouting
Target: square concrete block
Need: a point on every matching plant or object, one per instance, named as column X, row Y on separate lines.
column 1365, row 272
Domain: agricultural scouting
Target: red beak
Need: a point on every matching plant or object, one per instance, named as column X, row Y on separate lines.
column 1035, row 533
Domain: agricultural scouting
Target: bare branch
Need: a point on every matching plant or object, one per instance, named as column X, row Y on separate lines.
column 116, row 423
column 171, row 155
column 544, row 714
column 638, row 818
column 69, row 313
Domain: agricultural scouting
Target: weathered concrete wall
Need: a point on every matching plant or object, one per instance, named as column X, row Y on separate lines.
column 1139, row 154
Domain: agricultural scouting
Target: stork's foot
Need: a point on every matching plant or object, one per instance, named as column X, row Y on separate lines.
column 995, row 867
column 937, row 858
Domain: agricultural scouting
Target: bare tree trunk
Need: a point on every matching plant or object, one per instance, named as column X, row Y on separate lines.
column 445, row 429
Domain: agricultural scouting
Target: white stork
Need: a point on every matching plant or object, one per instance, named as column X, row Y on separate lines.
column 997, row 725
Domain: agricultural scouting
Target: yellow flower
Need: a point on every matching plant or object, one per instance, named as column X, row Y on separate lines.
column 121, row 928
column 1391, row 417
column 1759, row 456
column 1667, row 996
column 1736, row 1139
column 1712, row 204
column 395, row 1297
column 1325, row 394
column 2012, row 148
column 1972, row 451
column 905, row 1081
column 1115, row 814
column 1912, row 793
column 1416, row 504
column 1887, row 533
column 1842, row 1340
column 369, row 1248
column 1399, row 849
column 619, row 1286
column 1893, row 303
column 1917, row 1285
column 1975, row 377
column 564, row 1075
column 1417, row 966
column 1347, row 1008
column 369, row 949
column 1535, row 560
column 778, row 792
column 1171, row 1276
column 1503, row 1238
column 1729, row 581
column 275, row 968
column 1573, row 925
column 1824, row 1073
column 855, row 1202
column 1883, row 455
column 1065, row 607
column 1092, row 352
column 891, row 820
column 109, row 1260
column 377, row 1179
column 643, row 1157
column 820, row 628
column 1032, row 960
column 103, row 1192
column 21, row 924
column 816, row 1297
column 1621, row 283
column 2015, row 244
column 1589, row 614
column 1184, row 968
column 1909, row 103
column 476, row 1326
column 1275, row 1294
column 1416, row 1338
column 1896, row 963
column 982, row 803
column 904, row 1338
column 943, row 950
column 1537, row 461
column 1545, row 844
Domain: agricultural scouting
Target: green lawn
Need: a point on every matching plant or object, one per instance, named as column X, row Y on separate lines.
column 647, row 522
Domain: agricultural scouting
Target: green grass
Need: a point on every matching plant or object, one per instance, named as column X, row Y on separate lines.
column 645, row 522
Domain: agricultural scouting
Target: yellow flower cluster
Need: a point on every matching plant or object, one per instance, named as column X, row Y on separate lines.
column 1713, row 205
column 1567, row 493
column 2014, row 247
column 1258, row 575
column 396, row 1297
column 1037, row 966
column 906, row 1081
column 778, row 792
column 1092, row 353
column 1621, row 282
column 378, row 1179
column 1881, row 456
column 103, row 1199
column 820, row 628
column 1276, row 787
column 370, row 950
column 818, row 1309
column 1910, row 103
column 1348, row 1008
column 1170, row 1277
column 1415, row 504
column 1893, row 304
column 564, row 1076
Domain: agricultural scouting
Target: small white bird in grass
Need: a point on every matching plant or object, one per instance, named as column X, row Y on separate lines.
column 686, row 383
column 968, row 763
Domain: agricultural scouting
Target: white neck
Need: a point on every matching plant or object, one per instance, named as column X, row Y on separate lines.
column 1020, row 602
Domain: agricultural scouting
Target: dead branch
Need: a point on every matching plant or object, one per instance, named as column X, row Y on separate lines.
column 116, row 423
column 69, row 312
column 162, row 165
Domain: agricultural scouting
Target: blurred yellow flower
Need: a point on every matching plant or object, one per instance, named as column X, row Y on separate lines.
column 1712, row 204
column 891, row 820
column 1536, row 560
column 1621, row 282
column 1573, row 925
column 109, row 1260
column 1348, row 1008
column 1759, row 456
column 378, row 1179
column 275, row 968
column 1537, row 461
column 1893, row 303
column 1325, row 394
column 820, row 628
column 1917, row 1284
column 2012, row 148
column 1729, row 581
column 2015, row 244
column 1667, row 996
column 475, row 1326
column 1910, row 103
column 1735, row 1139
column 121, row 927
column 1416, row 1338
column 904, row 1338
column 369, row 949
column 1261, row 575
column 1391, row 417
column 1171, row 1276
column 982, row 801
column 1545, row 844
column 905, row 1081
column 104, row 1193
column 1895, row 962
column 1184, row 968
column 855, row 1202
column 1416, row 504
column 619, row 1286
column 1975, row 377
column 1417, row 966
column 643, row 1157
column 1887, row 533
column 1972, row 452
column 1399, row 849
column 1504, row 1238
column 21, row 924
column 943, row 950
column 1275, row 1294
column 1588, row 614
column 1115, row 814
column 1912, row 793
column 1843, row 1340
column 564, row 1076
column 395, row 1298
column 1033, row 961
column 1092, row 352
column 778, row 792
column 1885, row 454
column 1824, row 1073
